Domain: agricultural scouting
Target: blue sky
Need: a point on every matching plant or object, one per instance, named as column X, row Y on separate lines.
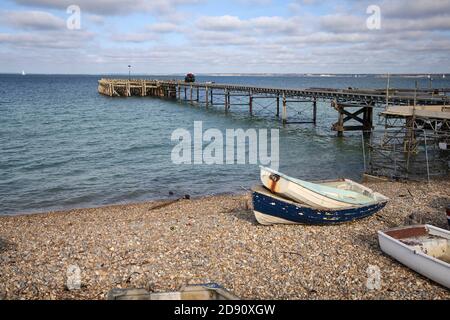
column 237, row 36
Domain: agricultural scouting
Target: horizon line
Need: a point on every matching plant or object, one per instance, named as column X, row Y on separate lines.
column 233, row 74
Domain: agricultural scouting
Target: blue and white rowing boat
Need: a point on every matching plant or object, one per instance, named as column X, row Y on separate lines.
column 328, row 195
column 272, row 209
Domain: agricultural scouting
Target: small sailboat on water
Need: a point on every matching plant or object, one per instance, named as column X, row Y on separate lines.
column 337, row 194
column 423, row 248
column 23, row 73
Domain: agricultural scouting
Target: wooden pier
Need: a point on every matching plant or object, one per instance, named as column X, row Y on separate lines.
column 349, row 103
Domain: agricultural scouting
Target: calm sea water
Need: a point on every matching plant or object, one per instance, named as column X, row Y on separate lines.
column 62, row 145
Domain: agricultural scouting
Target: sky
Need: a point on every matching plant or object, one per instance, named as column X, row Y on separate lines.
column 235, row 36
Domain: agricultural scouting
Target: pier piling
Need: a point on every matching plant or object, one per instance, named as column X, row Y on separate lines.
column 250, row 103
column 284, row 115
column 315, row 111
column 351, row 104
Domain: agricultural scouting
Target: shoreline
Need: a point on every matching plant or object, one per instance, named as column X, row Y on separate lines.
column 161, row 246
column 119, row 204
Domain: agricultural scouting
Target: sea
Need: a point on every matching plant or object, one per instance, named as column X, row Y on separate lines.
column 64, row 146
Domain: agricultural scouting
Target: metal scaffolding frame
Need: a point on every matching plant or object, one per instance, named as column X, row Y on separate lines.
column 415, row 148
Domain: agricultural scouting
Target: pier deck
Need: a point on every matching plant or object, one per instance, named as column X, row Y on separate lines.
column 360, row 101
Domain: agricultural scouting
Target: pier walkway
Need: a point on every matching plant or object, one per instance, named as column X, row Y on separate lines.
column 351, row 104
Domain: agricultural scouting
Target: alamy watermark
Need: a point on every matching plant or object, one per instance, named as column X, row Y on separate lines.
column 236, row 146
column 373, row 278
column 373, row 22
column 73, row 22
column 73, row 274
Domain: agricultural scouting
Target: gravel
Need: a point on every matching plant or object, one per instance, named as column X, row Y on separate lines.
column 162, row 245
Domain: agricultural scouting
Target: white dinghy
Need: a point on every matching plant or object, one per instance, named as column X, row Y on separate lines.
column 423, row 248
column 336, row 194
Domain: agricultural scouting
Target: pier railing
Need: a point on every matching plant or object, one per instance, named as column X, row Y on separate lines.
column 351, row 104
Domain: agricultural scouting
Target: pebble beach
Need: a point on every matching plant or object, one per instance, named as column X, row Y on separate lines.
column 164, row 245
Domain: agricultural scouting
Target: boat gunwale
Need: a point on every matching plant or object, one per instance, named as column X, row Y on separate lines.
column 373, row 194
column 410, row 248
column 264, row 191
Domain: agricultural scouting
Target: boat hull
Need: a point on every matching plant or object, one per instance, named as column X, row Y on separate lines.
column 428, row 266
column 270, row 209
column 299, row 192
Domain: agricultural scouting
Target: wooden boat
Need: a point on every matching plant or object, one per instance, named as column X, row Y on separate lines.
column 448, row 216
column 272, row 209
column 423, row 248
column 210, row 291
column 335, row 194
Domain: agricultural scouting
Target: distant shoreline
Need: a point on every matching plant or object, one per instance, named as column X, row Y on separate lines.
column 398, row 75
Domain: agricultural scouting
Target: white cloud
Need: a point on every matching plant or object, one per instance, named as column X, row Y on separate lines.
column 338, row 40
column 407, row 9
column 48, row 40
column 343, row 23
column 37, row 20
column 164, row 27
column 266, row 24
column 112, row 7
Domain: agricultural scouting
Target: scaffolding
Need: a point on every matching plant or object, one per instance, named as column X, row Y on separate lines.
column 414, row 145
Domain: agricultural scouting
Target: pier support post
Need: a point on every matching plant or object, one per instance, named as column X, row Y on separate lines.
column 340, row 123
column 212, row 96
column 178, row 92
column 128, row 89
column 198, row 94
column 227, row 95
column 111, row 89
column 250, row 103
column 315, row 111
column 284, row 115
column 206, row 96
column 191, row 95
column 368, row 119
column 144, row 88
column 278, row 106
column 364, row 123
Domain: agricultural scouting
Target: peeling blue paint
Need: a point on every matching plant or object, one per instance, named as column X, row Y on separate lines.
column 307, row 215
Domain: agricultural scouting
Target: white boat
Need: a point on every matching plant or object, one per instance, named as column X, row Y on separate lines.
column 210, row 291
column 270, row 209
column 423, row 248
column 337, row 194
column 23, row 73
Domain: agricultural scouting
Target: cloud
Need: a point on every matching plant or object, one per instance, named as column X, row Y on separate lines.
column 133, row 37
column 164, row 27
column 36, row 20
column 220, row 23
column 266, row 24
column 343, row 23
column 150, row 33
column 406, row 9
column 48, row 40
column 112, row 7
column 322, row 36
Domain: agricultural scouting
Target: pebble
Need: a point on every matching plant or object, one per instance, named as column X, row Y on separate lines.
column 216, row 239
